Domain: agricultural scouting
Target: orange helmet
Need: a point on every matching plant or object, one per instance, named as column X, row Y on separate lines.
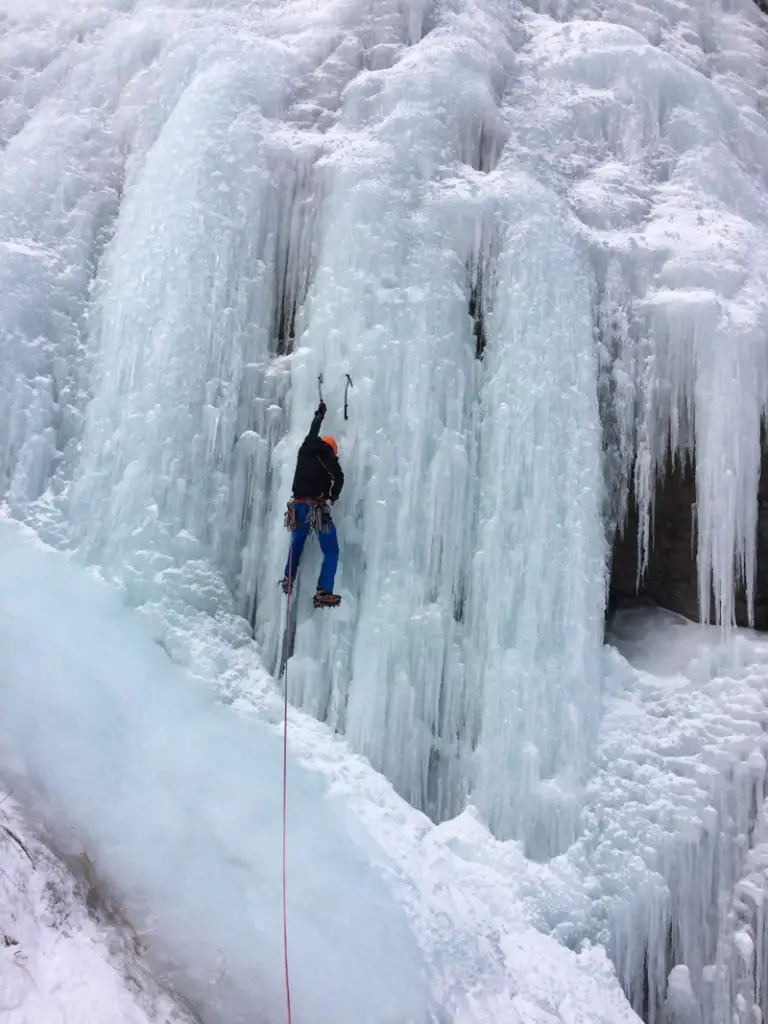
column 331, row 442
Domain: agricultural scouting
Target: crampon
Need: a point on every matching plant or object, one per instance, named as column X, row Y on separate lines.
column 323, row 599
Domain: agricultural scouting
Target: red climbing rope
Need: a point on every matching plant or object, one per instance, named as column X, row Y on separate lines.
column 285, row 782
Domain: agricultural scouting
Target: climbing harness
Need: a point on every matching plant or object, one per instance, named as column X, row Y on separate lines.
column 285, row 793
column 318, row 518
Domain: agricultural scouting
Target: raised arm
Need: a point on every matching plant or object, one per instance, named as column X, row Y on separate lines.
column 314, row 430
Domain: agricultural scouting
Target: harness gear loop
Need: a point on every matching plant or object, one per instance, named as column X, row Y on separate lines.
column 289, row 518
column 318, row 517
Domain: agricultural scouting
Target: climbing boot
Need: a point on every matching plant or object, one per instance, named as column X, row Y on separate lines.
column 286, row 584
column 325, row 600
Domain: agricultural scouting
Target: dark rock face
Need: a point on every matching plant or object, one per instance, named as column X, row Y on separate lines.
column 761, row 583
column 671, row 579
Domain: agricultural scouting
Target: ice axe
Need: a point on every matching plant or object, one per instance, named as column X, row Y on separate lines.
column 347, row 386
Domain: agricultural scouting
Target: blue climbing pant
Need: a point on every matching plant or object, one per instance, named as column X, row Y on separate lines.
column 329, row 545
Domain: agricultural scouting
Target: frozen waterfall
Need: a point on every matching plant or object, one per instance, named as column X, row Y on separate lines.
column 535, row 235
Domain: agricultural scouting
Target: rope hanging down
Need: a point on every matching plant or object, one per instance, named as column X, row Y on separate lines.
column 285, row 782
column 285, row 737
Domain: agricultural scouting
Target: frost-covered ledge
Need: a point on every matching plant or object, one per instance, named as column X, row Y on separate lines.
column 60, row 957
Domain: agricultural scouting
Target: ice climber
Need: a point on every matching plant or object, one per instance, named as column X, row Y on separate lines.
column 318, row 479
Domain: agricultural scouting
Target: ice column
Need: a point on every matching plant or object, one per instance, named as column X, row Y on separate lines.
column 537, row 592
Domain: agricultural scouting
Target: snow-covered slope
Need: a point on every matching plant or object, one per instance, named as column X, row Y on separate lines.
column 111, row 745
column 176, row 801
column 62, row 962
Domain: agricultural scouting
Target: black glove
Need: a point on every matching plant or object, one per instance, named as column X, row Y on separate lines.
column 320, row 411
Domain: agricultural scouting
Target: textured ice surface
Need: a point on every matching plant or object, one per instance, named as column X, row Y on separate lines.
column 202, row 208
column 674, row 817
column 535, row 236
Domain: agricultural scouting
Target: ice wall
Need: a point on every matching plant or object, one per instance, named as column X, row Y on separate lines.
column 333, row 197
column 345, row 194
column 656, row 133
column 470, row 652
column 515, row 226
column 674, row 818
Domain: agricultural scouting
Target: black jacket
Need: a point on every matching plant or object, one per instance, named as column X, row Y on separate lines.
column 318, row 473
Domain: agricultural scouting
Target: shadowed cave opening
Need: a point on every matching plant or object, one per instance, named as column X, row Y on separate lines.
column 671, row 578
